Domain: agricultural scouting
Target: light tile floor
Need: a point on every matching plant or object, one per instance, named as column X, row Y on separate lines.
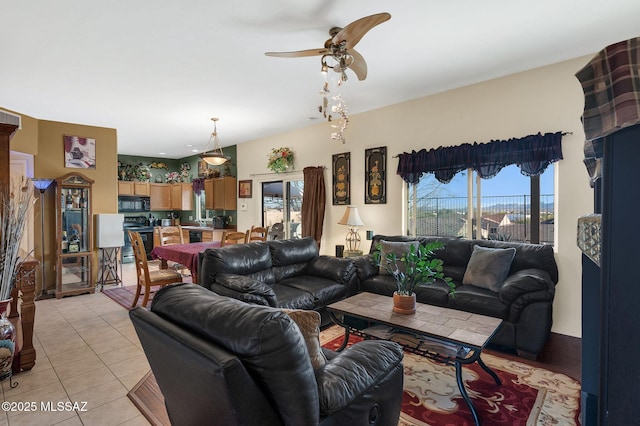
column 87, row 351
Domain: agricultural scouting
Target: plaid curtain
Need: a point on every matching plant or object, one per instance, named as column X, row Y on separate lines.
column 611, row 86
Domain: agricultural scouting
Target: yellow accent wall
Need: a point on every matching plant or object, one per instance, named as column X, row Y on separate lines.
column 44, row 140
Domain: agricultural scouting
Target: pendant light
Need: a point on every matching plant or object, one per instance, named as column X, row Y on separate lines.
column 215, row 157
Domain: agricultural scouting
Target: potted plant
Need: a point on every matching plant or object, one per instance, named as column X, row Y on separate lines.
column 418, row 266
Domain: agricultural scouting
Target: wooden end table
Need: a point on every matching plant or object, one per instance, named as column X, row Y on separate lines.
column 447, row 335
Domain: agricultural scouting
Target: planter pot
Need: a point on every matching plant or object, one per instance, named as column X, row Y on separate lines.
column 404, row 304
column 7, row 341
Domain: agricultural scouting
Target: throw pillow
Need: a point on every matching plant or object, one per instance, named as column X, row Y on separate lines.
column 309, row 324
column 398, row 248
column 488, row 267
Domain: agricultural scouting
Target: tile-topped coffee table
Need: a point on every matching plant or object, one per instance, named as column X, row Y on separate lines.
column 458, row 337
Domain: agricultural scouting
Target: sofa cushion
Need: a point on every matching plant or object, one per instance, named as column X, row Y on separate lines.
column 290, row 252
column 488, row 267
column 309, row 324
column 242, row 259
column 293, row 298
column 478, row 300
column 322, row 290
column 399, row 248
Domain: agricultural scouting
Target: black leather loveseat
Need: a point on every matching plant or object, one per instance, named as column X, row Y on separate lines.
column 220, row 361
column 524, row 300
column 279, row 273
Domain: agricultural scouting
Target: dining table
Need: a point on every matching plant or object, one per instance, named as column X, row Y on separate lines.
column 184, row 254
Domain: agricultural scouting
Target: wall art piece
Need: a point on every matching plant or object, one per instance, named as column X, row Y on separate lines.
column 341, row 170
column 245, row 188
column 375, row 170
column 79, row 152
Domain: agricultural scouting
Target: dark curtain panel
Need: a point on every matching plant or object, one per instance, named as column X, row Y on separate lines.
column 532, row 154
column 313, row 203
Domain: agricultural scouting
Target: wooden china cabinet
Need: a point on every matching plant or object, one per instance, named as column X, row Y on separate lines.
column 74, row 235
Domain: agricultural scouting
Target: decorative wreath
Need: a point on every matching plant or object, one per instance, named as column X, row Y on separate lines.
column 280, row 160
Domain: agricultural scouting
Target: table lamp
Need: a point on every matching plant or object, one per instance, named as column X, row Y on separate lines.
column 351, row 218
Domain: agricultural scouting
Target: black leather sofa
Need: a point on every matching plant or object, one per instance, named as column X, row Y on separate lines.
column 279, row 273
column 221, row 361
column 524, row 301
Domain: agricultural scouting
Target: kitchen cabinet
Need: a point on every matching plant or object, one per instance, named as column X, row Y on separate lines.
column 208, row 194
column 181, row 196
column 160, row 196
column 74, row 235
column 133, row 188
column 224, row 193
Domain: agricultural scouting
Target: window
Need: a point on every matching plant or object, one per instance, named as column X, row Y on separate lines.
column 507, row 212
column 282, row 206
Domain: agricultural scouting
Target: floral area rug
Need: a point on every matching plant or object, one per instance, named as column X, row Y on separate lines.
column 528, row 395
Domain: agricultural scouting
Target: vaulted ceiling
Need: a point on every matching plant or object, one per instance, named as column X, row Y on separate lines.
column 158, row 71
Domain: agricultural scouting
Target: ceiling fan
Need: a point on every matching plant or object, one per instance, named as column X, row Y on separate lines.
column 339, row 48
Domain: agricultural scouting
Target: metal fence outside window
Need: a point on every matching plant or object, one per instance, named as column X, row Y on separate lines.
column 505, row 218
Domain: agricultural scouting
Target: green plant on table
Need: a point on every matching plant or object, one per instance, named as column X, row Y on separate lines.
column 419, row 267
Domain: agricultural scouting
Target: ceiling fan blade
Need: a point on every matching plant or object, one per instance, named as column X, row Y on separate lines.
column 299, row 53
column 359, row 65
column 353, row 32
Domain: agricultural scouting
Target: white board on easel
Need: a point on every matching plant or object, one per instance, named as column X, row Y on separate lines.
column 109, row 230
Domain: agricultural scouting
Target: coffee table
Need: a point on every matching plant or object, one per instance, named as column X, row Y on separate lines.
column 446, row 335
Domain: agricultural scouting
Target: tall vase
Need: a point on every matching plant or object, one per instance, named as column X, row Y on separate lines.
column 7, row 341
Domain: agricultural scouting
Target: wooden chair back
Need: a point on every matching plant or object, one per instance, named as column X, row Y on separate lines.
column 145, row 278
column 257, row 233
column 170, row 235
column 233, row 238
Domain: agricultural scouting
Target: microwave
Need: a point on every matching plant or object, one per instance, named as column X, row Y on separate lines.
column 129, row 204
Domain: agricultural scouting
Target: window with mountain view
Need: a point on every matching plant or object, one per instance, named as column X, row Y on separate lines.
column 504, row 203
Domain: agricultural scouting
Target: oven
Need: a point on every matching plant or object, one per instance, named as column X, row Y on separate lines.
column 136, row 224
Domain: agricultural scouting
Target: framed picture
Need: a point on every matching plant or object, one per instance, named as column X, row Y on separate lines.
column 341, row 171
column 375, row 175
column 245, row 188
column 203, row 169
column 79, row 152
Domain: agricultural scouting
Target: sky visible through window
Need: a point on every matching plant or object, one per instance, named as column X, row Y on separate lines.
column 508, row 182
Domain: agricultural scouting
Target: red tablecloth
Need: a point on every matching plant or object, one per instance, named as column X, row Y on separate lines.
column 184, row 254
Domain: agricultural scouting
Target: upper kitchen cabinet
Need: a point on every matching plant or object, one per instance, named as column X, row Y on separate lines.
column 181, row 196
column 224, row 193
column 160, row 196
column 133, row 188
column 208, row 194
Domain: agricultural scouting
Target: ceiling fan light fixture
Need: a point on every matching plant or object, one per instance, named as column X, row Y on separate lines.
column 215, row 156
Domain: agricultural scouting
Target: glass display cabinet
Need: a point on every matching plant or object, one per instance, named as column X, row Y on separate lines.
column 73, row 235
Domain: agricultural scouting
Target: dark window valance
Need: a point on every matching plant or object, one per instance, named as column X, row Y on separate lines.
column 532, row 154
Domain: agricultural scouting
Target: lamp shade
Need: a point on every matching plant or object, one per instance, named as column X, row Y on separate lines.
column 41, row 183
column 351, row 217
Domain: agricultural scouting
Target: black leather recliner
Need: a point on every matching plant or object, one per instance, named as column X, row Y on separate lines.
column 218, row 360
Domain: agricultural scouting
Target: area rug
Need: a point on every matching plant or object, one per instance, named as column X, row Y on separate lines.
column 528, row 396
column 123, row 296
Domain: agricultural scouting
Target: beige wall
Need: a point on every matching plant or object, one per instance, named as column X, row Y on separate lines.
column 543, row 100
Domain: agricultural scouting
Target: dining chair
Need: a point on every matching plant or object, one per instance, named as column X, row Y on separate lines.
column 146, row 278
column 233, row 238
column 257, row 233
column 170, row 235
